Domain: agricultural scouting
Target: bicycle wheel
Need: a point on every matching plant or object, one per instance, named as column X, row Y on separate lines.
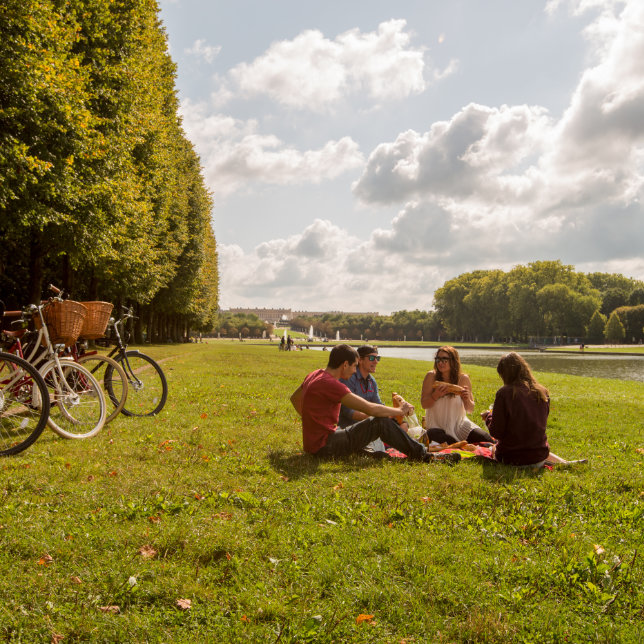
column 24, row 404
column 147, row 385
column 112, row 379
column 78, row 407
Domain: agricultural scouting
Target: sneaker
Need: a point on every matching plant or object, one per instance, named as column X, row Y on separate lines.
column 451, row 458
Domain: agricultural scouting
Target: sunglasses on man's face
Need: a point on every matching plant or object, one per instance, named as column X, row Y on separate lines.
column 374, row 358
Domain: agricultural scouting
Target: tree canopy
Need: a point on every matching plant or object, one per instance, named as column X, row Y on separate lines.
column 100, row 190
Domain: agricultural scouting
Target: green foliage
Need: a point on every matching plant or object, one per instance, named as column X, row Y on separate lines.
column 595, row 330
column 231, row 325
column 542, row 298
column 213, row 502
column 101, row 191
column 632, row 318
column 413, row 325
column 614, row 330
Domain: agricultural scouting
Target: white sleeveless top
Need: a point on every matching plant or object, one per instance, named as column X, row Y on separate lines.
column 448, row 414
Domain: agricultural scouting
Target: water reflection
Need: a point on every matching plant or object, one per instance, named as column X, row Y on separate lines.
column 586, row 364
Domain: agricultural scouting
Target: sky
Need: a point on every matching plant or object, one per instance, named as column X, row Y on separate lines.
column 361, row 153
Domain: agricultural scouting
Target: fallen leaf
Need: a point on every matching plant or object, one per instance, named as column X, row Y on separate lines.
column 184, row 604
column 68, row 466
column 147, row 551
column 338, row 486
column 425, row 499
column 284, row 478
column 45, row 560
column 154, row 519
column 363, row 618
column 640, row 450
column 113, row 473
column 76, row 580
column 204, row 415
column 110, row 609
column 90, row 478
column 224, row 516
column 55, row 638
column 243, row 618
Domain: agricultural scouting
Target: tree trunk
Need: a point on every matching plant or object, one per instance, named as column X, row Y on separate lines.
column 35, row 267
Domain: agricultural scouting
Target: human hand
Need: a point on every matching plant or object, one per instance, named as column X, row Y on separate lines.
column 407, row 409
column 439, row 391
column 485, row 414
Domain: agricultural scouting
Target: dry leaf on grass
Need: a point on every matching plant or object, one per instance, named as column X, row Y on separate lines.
column 147, row 551
column 184, row 604
column 45, row 560
column 363, row 618
column 115, row 610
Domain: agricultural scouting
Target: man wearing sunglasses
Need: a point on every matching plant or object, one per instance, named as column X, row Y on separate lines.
column 362, row 384
column 318, row 399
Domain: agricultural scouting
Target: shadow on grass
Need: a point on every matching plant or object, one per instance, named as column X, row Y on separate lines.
column 298, row 465
column 499, row 473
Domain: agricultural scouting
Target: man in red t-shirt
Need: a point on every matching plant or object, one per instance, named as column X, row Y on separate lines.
column 318, row 399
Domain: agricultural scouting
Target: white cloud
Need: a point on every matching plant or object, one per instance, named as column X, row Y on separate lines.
column 313, row 72
column 511, row 184
column 201, row 49
column 234, row 153
column 476, row 155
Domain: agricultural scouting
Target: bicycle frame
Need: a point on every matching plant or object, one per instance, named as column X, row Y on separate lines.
column 121, row 348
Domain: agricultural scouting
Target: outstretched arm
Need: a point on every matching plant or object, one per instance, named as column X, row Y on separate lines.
column 374, row 409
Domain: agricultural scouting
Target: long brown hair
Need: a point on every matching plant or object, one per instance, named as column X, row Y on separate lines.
column 515, row 372
column 454, row 365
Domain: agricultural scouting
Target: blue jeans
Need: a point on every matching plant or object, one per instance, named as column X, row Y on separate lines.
column 354, row 438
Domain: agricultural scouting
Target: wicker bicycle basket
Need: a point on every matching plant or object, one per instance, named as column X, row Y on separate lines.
column 95, row 323
column 64, row 321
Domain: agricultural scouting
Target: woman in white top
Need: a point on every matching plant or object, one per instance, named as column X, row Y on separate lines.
column 446, row 413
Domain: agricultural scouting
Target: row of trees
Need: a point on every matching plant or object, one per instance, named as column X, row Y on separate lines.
column 248, row 325
column 100, row 190
column 412, row 325
column 541, row 299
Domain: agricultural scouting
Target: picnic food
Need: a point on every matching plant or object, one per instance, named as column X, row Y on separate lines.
column 397, row 401
column 452, row 389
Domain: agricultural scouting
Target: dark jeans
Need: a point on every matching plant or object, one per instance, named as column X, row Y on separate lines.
column 354, row 438
column 441, row 436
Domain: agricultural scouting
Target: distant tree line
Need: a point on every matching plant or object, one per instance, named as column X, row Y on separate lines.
column 410, row 325
column 101, row 192
column 231, row 325
column 541, row 299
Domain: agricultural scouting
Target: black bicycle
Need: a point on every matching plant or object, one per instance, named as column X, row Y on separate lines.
column 147, row 384
column 24, row 404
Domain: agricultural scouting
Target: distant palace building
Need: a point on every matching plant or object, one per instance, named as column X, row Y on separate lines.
column 281, row 316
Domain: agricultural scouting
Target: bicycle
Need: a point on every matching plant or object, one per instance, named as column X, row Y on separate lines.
column 147, row 384
column 24, row 404
column 109, row 374
column 106, row 370
column 77, row 404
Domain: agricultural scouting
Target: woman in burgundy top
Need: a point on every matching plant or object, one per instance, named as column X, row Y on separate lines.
column 520, row 416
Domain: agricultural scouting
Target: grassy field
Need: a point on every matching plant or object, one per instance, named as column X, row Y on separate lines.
column 207, row 523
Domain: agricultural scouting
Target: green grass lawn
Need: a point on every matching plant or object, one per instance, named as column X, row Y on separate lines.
column 208, row 524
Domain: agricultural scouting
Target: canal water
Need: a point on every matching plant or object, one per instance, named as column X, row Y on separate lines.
column 584, row 364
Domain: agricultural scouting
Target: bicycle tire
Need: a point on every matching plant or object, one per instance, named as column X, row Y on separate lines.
column 24, row 404
column 78, row 408
column 112, row 379
column 147, row 384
